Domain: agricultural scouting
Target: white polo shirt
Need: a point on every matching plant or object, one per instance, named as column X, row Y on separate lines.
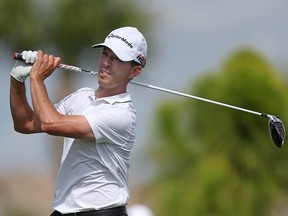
column 94, row 175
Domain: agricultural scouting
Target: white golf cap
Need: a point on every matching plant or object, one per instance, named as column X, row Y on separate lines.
column 127, row 43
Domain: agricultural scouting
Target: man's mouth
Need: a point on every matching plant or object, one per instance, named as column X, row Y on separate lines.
column 104, row 72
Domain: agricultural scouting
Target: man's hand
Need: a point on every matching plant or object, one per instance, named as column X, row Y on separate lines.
column 44, row 66
column 21, row 70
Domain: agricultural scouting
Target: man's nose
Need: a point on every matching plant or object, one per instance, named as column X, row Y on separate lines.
column 107, row 61
column 105, row 65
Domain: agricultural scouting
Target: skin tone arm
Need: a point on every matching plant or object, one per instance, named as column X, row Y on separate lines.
column 23, row 116
column 45, row 118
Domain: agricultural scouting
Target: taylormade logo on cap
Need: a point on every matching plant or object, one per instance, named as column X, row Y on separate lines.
column 121, row 38
column 128, row 44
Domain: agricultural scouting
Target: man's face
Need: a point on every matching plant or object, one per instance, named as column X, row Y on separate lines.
column 114, row 74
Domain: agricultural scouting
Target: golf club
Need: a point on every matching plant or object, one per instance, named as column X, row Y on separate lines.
column 275, row 125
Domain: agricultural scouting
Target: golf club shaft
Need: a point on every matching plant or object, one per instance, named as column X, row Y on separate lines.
column 196, row 98
column 18, row 56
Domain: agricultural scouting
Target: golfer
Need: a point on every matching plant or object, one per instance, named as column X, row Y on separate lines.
column 98, row 126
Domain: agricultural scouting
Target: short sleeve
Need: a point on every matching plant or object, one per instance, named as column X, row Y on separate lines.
column 113, row 124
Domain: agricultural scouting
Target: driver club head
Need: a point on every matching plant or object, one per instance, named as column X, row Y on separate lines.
column 276, row 131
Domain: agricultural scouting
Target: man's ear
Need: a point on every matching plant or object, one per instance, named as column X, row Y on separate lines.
column 136, row 71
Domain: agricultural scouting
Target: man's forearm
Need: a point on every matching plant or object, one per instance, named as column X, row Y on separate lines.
column 43, row 108
column 22, row 114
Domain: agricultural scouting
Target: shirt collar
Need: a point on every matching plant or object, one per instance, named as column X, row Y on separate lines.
column 120, row 98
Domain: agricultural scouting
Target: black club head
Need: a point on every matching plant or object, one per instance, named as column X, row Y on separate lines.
column 276, row 131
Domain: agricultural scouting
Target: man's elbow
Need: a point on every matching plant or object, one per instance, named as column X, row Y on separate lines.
column 22, row 129
column 27, row 127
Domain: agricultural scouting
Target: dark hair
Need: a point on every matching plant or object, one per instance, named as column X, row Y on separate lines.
column 134, row 63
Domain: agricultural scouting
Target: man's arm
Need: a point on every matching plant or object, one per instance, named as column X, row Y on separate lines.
column 50, row 120
column 23, row 116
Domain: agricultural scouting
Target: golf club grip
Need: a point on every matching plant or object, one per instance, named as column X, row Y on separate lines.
column 17, row 56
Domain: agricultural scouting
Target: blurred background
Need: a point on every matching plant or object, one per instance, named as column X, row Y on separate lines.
column 190, row 158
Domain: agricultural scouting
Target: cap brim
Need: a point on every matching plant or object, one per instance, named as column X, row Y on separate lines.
column 122, row 55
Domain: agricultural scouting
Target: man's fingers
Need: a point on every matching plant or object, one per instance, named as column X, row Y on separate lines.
column 40, row 53
column 45, row 64
column 48, row 59
column 57, row 61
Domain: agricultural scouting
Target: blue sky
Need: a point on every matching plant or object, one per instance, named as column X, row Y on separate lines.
column 189, row 37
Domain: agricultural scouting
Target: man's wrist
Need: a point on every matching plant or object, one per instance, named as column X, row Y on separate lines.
column 17, row 79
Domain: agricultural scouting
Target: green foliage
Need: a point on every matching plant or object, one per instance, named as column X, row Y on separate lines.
column 20, row 27
column 219, row 161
